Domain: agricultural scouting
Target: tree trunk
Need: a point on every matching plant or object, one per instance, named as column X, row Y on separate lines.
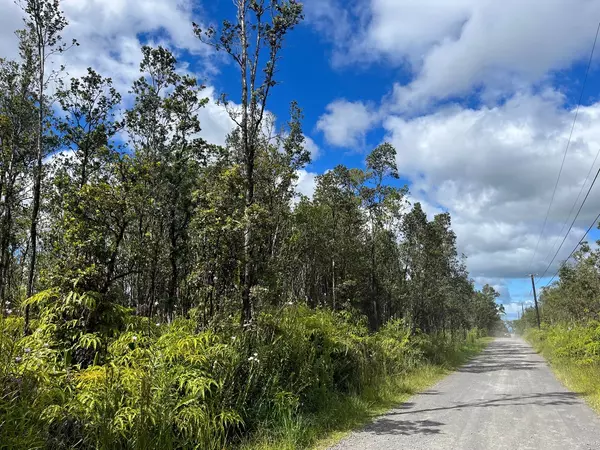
column 172, row 295
column 374, row 299
column 37, row 180
column 248, row 250
column 249, row 172
column 6, row 189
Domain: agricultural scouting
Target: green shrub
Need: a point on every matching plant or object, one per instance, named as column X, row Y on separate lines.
column 172, row 386
column 577, row 343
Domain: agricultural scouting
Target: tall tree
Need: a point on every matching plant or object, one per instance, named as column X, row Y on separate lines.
column 88, row 124
column 17, row 134
column 87, row 199
column 44, row 22
column 254, row 42
column 379, row 200
column 163, row 126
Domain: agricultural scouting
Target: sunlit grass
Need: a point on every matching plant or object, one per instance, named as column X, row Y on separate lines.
column 584, row 380
column 581, row 379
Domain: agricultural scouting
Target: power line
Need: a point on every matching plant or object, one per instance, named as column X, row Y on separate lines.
column 573, row 207
column 576, row 247
column 572, row 223
column 567, row 147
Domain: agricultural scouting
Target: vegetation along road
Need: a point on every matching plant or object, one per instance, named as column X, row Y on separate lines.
column 507, row 398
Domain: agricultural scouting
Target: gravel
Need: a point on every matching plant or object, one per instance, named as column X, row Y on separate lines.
column 506, row 398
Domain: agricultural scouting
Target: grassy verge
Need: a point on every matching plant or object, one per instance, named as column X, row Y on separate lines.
column 345, row 413
column 584, row 380
column 572, row 355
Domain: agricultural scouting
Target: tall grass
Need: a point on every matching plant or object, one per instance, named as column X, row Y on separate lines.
column 344, row 413
column 296, row 375
column 574, row 354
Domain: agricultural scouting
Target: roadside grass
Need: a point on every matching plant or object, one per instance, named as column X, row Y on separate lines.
column 572, row 356
column 583, row 380
column 344, row 413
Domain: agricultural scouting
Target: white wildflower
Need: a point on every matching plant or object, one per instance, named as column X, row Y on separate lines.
column 27, row 350
column 134, row 338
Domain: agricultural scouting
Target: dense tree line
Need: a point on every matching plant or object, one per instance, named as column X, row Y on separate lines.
column 107, row 210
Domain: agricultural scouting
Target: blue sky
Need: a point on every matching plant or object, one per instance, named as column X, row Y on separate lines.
column 477, row 96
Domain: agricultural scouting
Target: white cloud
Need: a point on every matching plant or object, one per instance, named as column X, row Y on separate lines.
column 110, row 34
column 307, row 181
column 312, row 148
column 452, row 47
column 215, row 121
column 10, row 21
column 113, row 17
column 494, row 169
column 345, row 123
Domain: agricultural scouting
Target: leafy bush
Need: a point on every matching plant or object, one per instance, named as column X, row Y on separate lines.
column 576, row 343
column 175, row 386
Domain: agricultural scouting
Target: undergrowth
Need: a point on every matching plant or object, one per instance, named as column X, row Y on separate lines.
column 294, row 376
column 573, row 352
column 344, row 413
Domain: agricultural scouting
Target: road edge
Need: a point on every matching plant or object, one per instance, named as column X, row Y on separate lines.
column 441, row 372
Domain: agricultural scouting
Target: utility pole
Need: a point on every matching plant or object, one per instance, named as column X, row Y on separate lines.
column 537, row 311
column 522, row 310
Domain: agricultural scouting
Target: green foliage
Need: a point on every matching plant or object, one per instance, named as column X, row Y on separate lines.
column 173, row 387
column 130, row 247
column 578, row 343
column 571, row 301
column 574, row 353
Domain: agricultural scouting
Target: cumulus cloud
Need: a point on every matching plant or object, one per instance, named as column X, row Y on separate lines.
column 494, row 169
column 110, row 33
column 450, row 47
column 214, row 119
column 307, row 181
column 345, row 123
column 312, row 148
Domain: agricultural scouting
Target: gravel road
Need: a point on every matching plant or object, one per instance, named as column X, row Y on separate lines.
column 506, row 398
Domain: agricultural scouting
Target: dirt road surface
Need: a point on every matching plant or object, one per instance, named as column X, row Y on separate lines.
column 506, row 398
